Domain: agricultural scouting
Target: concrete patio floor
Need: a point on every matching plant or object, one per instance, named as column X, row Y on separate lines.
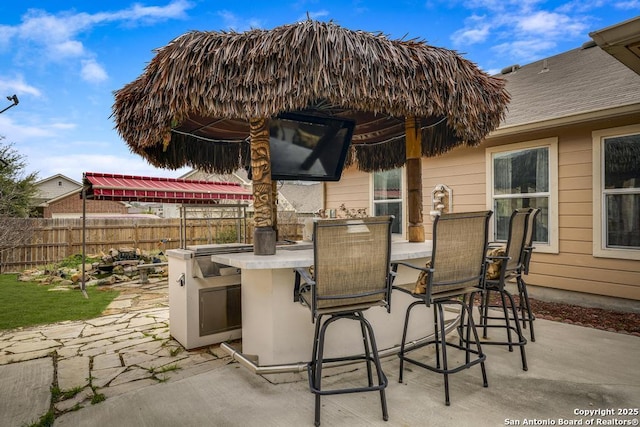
column 577, row 376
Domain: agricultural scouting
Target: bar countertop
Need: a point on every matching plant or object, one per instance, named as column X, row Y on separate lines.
column 302, row 256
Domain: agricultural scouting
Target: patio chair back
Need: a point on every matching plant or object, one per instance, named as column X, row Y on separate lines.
column 518, row 226
column 459, row 248
column 528, row 241
column 351, row 262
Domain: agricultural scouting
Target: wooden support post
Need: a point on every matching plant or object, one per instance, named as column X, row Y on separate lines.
column 264, row 235
column 413, row 142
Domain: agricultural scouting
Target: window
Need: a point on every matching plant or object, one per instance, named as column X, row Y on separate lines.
column 387, row 196
column 524, row 175
column 616, row 192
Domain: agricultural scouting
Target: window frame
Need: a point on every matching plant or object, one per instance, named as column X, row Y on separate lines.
column 403, row 199
column 550, row 143
column 599, row 239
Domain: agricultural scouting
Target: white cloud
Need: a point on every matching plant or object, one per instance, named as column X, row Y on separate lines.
column 151, row 14
column 476, row 30
column 524, row 30
column 318, row 14
column 525, row 50
column 18, row 86
column 92, row 71
column 550, row 24
column 19, row 132
column 74, row 165
column 625, row 5
column 501, row 5
column 232, row 22
column 66, row 49
column 6, row 34
column 470, row 35
column 55, row 38
column 63, row 126
column 493, row 71
column 580, row 6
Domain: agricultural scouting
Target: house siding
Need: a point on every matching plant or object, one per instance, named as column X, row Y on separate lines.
column 462, row 170
column 352, row 190
column 573, row 268
column 51, row 189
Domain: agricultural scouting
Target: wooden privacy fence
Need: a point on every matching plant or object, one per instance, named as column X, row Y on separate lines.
column 52, row 240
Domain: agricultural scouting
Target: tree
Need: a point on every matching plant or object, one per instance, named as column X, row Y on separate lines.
column 16, row 192
column 16, row 189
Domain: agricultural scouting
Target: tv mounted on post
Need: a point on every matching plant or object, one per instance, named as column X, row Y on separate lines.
column 309, row 148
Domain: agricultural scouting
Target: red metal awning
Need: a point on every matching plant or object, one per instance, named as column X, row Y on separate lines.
column 103, row 186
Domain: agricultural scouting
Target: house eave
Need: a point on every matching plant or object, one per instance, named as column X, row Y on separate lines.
column 565, row 121
column 622, row 41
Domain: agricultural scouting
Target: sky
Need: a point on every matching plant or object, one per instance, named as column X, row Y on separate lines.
column 64, row 59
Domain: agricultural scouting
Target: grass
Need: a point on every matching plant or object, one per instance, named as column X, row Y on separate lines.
column 29, row 304
column 46, row 420
column 97, row 398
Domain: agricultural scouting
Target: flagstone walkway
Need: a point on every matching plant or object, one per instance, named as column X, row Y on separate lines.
column 125, row 349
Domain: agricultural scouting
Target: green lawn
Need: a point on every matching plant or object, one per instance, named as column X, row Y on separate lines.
column 27, row 304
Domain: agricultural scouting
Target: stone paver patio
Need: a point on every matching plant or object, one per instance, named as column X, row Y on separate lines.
column 125, row 349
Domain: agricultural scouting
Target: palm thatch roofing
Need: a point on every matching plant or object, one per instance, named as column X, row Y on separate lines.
column 192, row 104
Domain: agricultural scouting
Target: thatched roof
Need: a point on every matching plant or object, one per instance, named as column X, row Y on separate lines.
column 192, row 104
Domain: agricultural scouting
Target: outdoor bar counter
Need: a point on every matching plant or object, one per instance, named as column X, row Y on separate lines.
column 277, row 332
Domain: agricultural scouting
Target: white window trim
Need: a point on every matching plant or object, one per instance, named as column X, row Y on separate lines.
column 598, row 203
column 552, row 144
column 403, row 182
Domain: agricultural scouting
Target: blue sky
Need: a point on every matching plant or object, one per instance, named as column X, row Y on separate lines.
column 64, row 59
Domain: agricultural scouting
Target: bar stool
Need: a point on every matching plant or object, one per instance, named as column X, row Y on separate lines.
column 456, row 270
column 351, row 273
column 511, row 268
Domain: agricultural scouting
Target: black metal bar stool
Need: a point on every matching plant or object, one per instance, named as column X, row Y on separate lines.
column 351, row 273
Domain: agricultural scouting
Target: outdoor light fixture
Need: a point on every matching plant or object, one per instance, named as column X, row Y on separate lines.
column 13, row 98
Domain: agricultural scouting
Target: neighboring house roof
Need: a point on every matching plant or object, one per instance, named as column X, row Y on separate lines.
column 571, row 87
column 102, row 186
column 305, row 198
column 58, row 176
column 239, row 176
column 285, row 203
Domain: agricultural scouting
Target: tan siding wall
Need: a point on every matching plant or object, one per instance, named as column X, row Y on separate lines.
column 352, row 190
column 463, row 171
column 574, row 268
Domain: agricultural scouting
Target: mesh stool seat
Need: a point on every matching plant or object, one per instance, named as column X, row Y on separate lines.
column 456, row 269
column 351, row 273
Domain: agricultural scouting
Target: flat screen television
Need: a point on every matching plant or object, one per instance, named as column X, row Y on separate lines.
column 309, row 148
